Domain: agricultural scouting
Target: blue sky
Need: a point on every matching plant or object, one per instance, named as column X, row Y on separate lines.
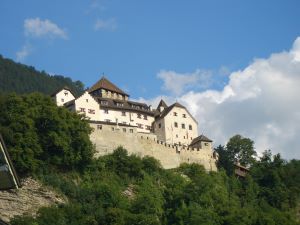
column 144, row 37
column 235, row 64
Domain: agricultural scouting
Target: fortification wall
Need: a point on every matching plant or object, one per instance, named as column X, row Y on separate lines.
column 109, row 137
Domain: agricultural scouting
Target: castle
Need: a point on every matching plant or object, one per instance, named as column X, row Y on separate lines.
column 167, row 133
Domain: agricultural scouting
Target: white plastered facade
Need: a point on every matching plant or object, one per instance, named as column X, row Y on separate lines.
column 176, row 127
column 63, row 96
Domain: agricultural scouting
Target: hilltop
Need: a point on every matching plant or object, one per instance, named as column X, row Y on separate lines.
column 20, row 78
column 52, row 145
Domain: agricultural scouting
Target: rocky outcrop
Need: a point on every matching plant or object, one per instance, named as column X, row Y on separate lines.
column 27, row 199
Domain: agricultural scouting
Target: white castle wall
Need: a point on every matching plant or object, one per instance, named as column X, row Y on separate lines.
column 109, row 137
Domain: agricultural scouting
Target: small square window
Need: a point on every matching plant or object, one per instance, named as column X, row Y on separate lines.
column 105, row 111
column 82, row 109
column 131, row 130
column 184, row 115
column 62, row 100
column 123, row 113
column 175, row 113
column 159, row 125
column 86, row 100
column 139, row 115
column 145, row 117
column 175, row 124
column 190, row 127
column 113, row 129
column 99, row 127
column 124, row 129
column 91, row 111
column 183, row 126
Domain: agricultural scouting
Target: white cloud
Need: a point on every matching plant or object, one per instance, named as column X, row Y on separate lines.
column 35, row 27
column 109, row 24
column 23, row 53
column 260, row 102
column 177, row 83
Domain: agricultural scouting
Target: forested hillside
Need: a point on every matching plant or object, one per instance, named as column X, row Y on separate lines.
column 20, row 78
column 52, row 144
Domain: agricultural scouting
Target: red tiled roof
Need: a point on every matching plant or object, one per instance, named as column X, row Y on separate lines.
column 104, row 83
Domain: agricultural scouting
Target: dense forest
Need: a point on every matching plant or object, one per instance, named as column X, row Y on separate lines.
column 20, row 78
column 52, row 144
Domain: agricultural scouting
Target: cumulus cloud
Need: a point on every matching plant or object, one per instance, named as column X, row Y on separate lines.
column 108, row 24
column 23, row 53
column 177, row 83
column 35, row 27
column 260, row 102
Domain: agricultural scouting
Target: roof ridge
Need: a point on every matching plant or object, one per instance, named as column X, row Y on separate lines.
column 104, row 83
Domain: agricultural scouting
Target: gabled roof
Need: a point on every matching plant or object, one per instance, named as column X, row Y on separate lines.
column 168, row 109
column 60, row 89
column 104, row 83
column 8, row 175
column 200, row 138
column 162, row 104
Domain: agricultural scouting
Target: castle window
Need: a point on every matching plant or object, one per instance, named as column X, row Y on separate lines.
column 190, row 127
column 148, row 127
column 183, row 126
column 91, row 111
column 131, row 130
column 104, row 103
column 139, row 115
column 62, row 100
column 82, row 109
column 159, row 125
column 145, row 117
column 99, row 127
column 175, row 124
column 105, row 111
column 206, row 144
column 66, row 93
column 124, row 129
column 184, row 115
column 123, row 113
column 175, row 113
column 86, row 100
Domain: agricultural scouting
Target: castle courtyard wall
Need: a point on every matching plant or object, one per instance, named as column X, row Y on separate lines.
column 108, row 137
